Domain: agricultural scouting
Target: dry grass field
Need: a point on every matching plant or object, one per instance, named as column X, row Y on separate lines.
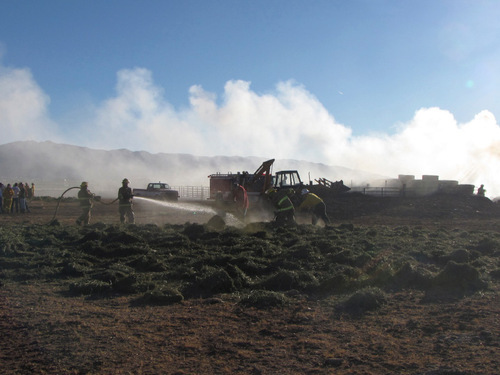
column 392, row 286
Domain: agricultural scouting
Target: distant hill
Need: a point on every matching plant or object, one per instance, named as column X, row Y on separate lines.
column 54, row 166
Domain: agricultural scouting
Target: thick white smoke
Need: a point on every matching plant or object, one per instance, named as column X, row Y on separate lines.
column 288, row 122
column 23, row 107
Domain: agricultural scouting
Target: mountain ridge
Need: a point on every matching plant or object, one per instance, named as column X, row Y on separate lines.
column 48, row 162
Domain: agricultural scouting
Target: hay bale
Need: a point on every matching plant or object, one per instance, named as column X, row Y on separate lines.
column 121, row 237
column 410, row 277
column 193, row 231
column 89, row 287
column 286, row 280
column 303, row 252
column 363, row 300
column 460, row 256
column 147, row 263
column 495, row 274
column 455, row 281
column 240, row 279
column 488, row 246
column 335, row 284
column 126, row 284
column 74, row 269
column 114, row 250
column 459, row 275
column 216, row 223
column 211, row 281
column 264, row 299
column 160, row 297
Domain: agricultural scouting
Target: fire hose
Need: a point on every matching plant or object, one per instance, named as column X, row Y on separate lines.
column 76, row 187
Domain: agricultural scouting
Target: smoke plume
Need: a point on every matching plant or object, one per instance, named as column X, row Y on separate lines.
column 286, row 123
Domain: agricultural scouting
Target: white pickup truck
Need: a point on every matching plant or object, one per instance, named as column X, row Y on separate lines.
column 157, row 190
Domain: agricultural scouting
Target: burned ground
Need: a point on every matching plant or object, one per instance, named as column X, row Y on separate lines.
column 393, row 285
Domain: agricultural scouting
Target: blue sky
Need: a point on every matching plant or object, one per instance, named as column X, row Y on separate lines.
column 354, row 74
column 371, row 63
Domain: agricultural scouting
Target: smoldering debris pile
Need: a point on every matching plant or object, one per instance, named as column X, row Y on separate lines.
column 263, row 265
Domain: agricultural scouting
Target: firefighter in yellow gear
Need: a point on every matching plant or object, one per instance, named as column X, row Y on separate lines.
column 8, row 194
column 314, row 204
column 86, row 199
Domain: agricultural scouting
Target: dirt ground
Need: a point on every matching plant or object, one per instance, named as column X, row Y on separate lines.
column 106, row 211
column 45, row 331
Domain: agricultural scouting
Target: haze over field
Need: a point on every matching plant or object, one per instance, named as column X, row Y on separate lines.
column 55, row 167
column 384, row 118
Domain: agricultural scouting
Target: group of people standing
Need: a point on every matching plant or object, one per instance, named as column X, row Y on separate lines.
column 14, row 198
column 125, row 196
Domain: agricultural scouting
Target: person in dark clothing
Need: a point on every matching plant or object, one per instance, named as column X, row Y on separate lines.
column 86, row 199
column 22, row 198
column 125, row 203
column 481, row 191
column 15, row 199
column 284, row 210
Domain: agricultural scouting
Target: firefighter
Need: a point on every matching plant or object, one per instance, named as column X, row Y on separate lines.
column 284, row 210
column 86, row 199
column 125, row 203
column 310, row 202
column 240, row 197
column 481, row 191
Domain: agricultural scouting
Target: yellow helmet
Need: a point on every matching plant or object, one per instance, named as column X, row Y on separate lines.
column 270, row 191
column 84, row 183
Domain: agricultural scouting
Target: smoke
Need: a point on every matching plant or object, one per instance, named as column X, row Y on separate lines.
column 286, row 123
column 289, row 122
column 23, row 107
